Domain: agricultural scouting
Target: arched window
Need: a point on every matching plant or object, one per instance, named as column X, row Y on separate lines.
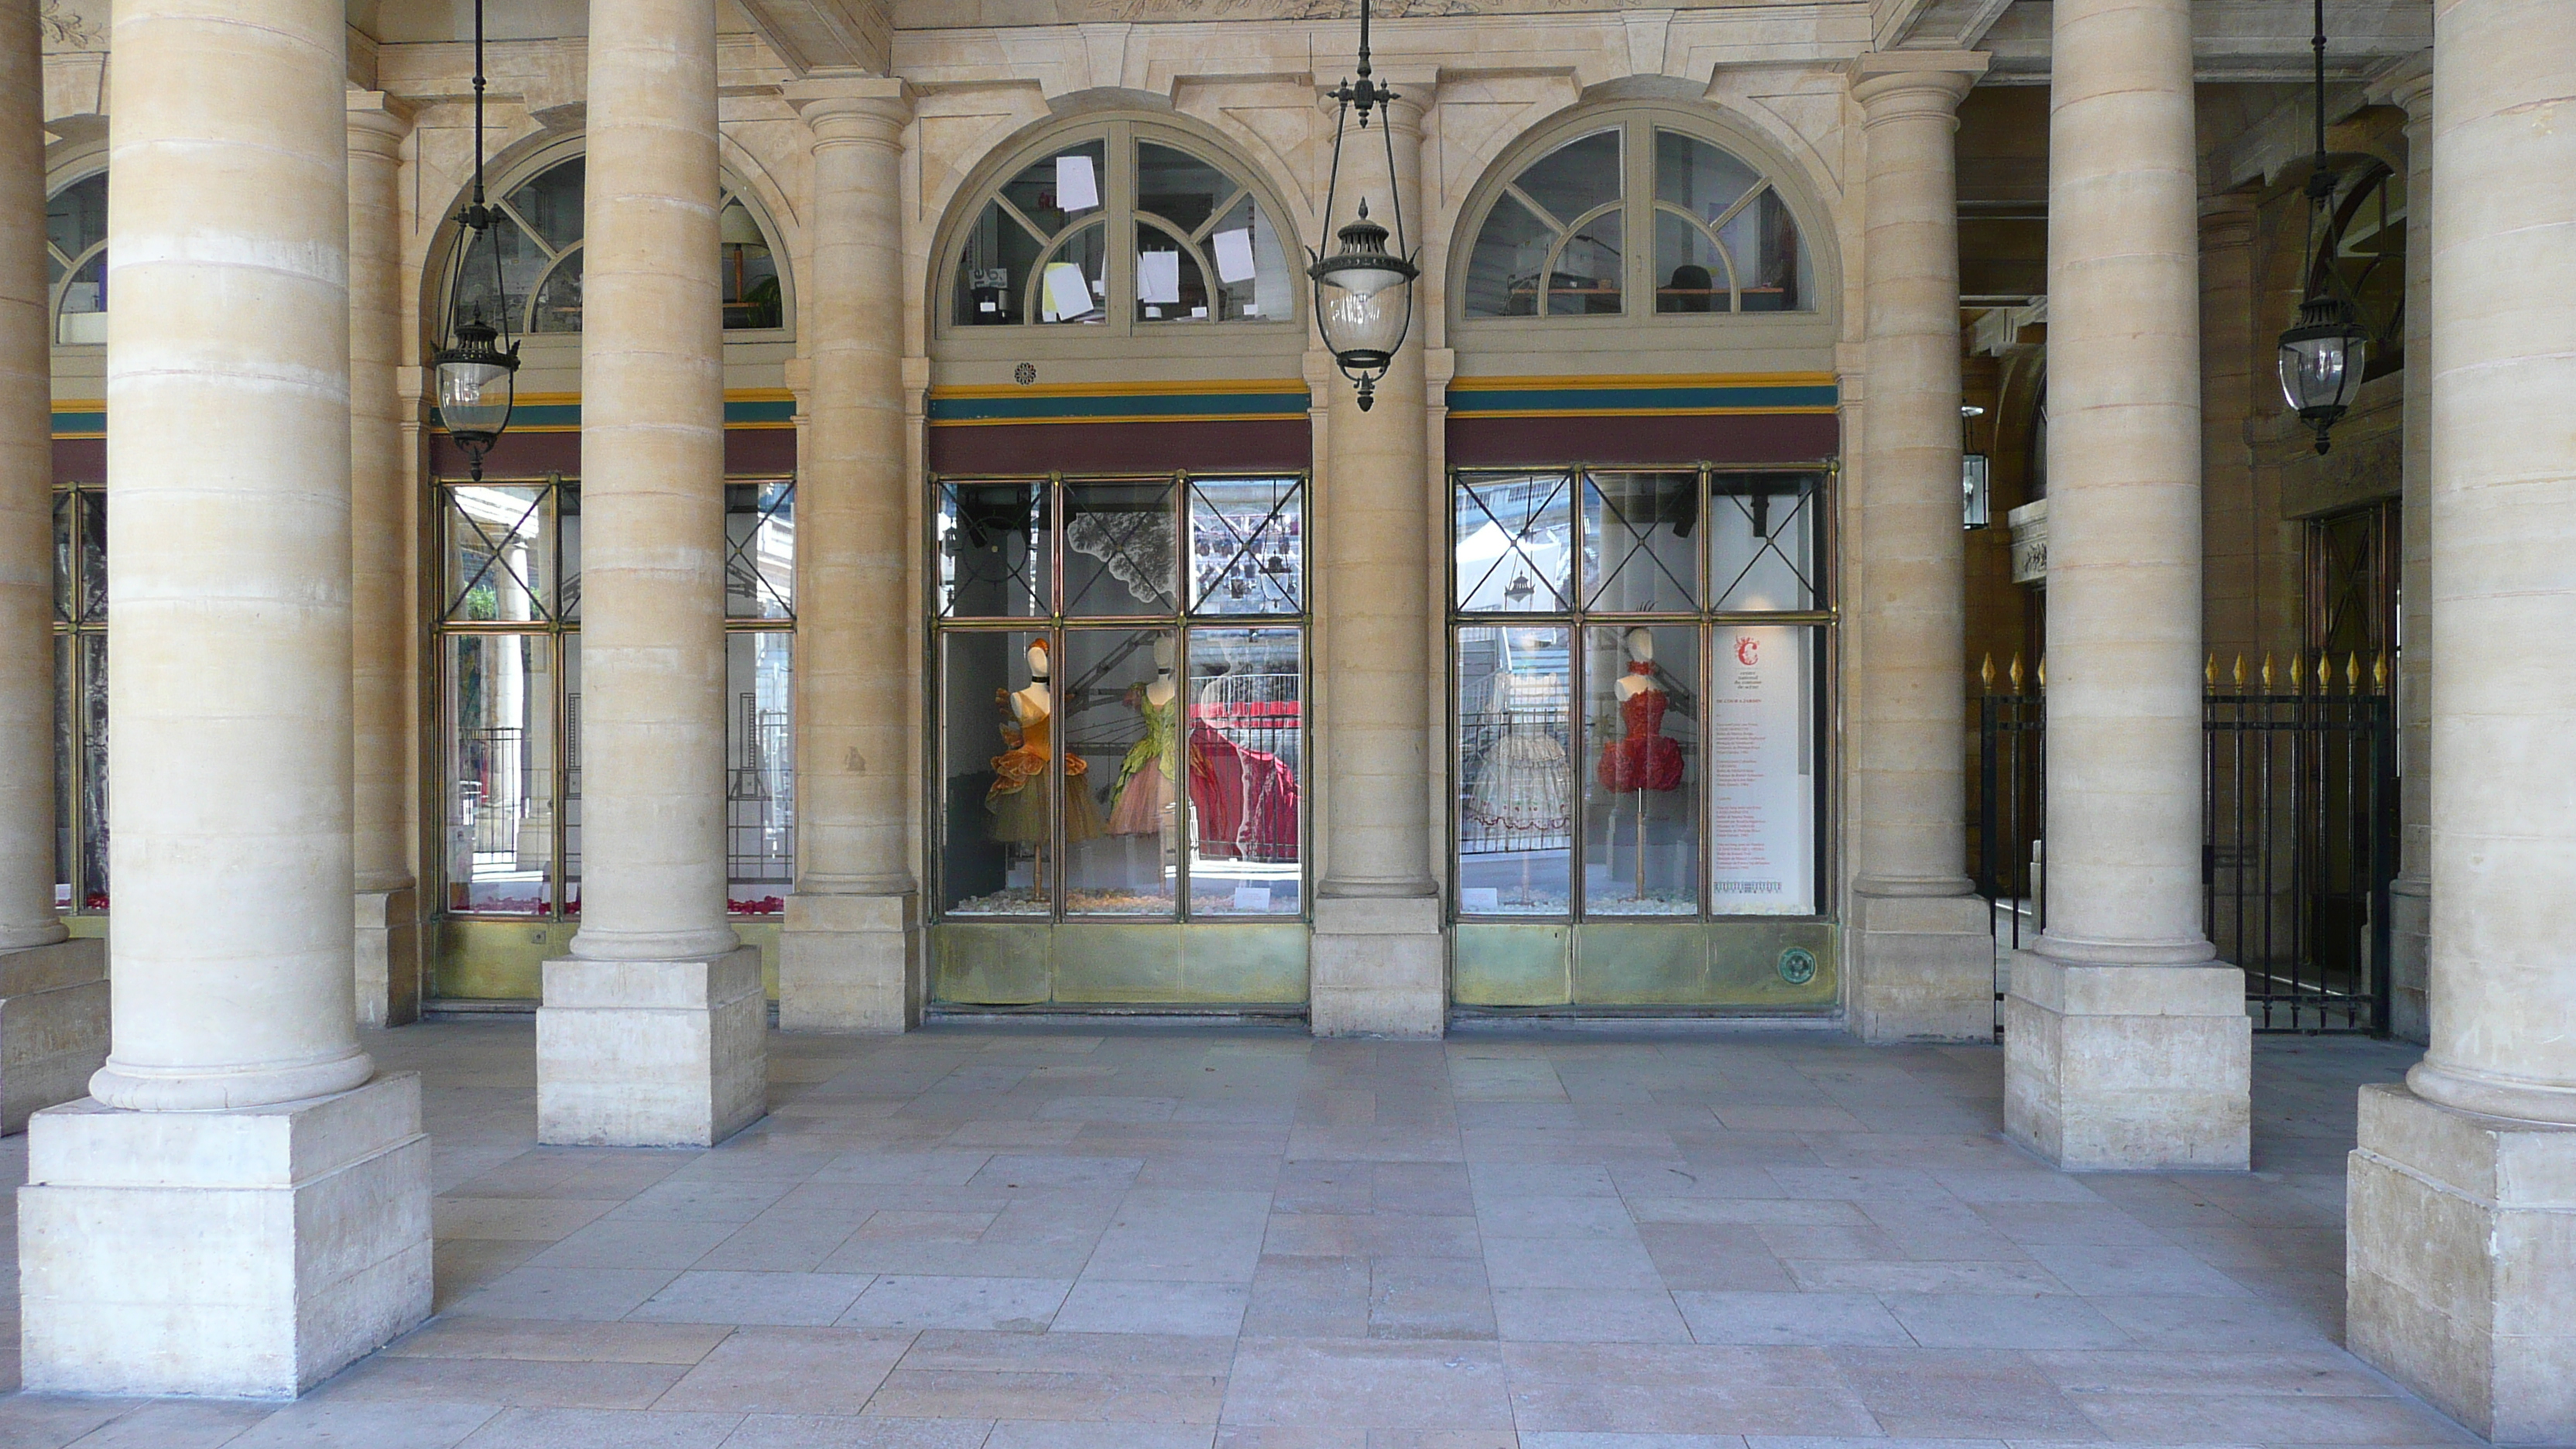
column 2364, row 261
column 1631, row 209
column 76, row 260
column 539, row 241
column 1197, row 246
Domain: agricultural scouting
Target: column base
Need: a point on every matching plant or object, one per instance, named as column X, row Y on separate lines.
column 2129, row 1068
column 1378, row 966
column 2460, row 1263
column 850, row 963
column 2410, row 959
column 651, row 1053
column 1923, row 968
column 236, row 1254
column 53, row 1026
column 388, row 957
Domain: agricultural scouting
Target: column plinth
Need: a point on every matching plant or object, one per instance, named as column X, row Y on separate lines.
column 639, row 1041
column 242, row 1210
column 1923, row 960
column 2126, row 1044
column 850, row 952
column 1378, row 963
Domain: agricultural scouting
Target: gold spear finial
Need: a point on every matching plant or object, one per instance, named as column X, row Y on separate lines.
column 1986, row 673
column 2267, row 671
column 2379, row 672
column 2016, row 672
column 2043, row 673
column 2209, row 674
column 2298, row 662
column 2240, row 671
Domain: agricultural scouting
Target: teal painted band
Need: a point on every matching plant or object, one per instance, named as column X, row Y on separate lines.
column 1057, row 409
column 1470, row 400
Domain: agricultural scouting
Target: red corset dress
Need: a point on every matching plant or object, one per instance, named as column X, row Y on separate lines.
column 1645, row 760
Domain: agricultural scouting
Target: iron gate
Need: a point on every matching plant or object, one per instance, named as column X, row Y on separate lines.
column 2299, row 832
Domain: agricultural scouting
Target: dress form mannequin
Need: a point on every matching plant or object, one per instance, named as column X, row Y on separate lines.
column 1019, row 799
column 1643, row 759
column 1160, row 692
column 1145, row 789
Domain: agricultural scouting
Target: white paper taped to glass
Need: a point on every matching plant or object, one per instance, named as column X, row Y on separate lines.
column 1158, row 276
column 1234, row 255
column 1067, row 294
column 1077, row 187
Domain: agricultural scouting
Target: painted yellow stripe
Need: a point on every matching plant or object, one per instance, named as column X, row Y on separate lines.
column 1129, row 418
column 1120, row 389
column 1624, row 382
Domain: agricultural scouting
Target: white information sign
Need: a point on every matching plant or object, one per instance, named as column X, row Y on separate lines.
column 1762, row 773
column 1158, row 276
column 1234, row 254
column 1067, row 294
column 1077, row 187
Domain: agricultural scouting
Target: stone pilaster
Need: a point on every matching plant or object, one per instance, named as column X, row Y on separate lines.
column 2461, row 1252
column 53, row 991
column 1379, row 959
column 2125, row 1044
column 2410, row 896
column 850, row 955
column 649, row 1035
column 382, row 527
column 1922, row 949
column 245, row 1207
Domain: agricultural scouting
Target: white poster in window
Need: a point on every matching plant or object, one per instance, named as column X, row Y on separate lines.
column 1234, row 255
column 1077, row 186
column 1067, row 294
column 1158, row 276
column 1762, row 773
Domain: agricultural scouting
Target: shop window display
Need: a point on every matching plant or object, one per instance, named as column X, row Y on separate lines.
column 1101, row 756
column 1652, row 751
column 509, row 682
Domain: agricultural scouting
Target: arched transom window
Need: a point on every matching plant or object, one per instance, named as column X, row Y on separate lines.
column 1631, row 218
column 1125, row 227
column 539, row 240
column 76, row 260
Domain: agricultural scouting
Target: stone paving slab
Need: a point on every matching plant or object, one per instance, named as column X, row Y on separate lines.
column 1249, row 1239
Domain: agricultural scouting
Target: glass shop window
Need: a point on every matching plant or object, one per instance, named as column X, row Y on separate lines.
column 80, row 698
column 509, row 689
column 536, row 246
column 1125, row 229
column 1121, row 686
column 1632, row 210
column 1638, row 665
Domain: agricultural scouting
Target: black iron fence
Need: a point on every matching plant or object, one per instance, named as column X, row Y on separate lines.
column 2299, row 832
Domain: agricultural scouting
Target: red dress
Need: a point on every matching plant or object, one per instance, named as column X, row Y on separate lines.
column 1645, row 760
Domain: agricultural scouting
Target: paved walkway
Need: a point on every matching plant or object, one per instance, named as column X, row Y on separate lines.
column 1169, row 1239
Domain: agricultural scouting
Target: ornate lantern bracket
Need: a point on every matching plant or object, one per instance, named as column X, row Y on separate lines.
column 475, row 370
column 2323, row 355
column 1364, row 290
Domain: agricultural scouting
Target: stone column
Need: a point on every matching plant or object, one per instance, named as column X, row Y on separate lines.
column 53, row 991
column 850, row 956
column 245, row 1207
column 2125, row 1044
column 2461, row 1275
column 652, row 1032
column 2238, row 528
column 381, row 532
column 1923, row 949
column 2410, row 896
column 1378, row 962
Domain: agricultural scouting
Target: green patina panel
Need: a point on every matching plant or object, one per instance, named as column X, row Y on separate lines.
column 493, row 960
column 1757, row 963
column 1103, row 963
column 1511, row 964
column 1642, row 963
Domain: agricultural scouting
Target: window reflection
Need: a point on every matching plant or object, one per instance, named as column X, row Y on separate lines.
column 1515, row 780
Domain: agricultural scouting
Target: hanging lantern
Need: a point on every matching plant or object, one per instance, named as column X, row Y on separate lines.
column 1976, row 470
column 2322, row 356
column 1363, row 291
column 475, row 373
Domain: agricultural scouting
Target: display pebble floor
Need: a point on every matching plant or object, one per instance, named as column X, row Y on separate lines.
column 1142, row 1238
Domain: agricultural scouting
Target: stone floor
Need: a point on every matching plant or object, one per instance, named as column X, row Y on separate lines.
column 1151, row 1239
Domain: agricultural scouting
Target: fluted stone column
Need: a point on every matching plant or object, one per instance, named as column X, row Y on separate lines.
column 2410, row 896
column 652, row 1031
column 245, row 1207
column 850, row 955
column 2461, row 1251
column 1923, row 949
column 1378, row 961
column 381, row 534
column 2125, row 1044
column 53, row 991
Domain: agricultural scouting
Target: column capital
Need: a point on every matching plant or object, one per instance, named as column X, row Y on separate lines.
column 1893, row 83
column 378, row 121
column 2226, row 220
column 2407, row 85
column 1416, row 87
column 851, row 109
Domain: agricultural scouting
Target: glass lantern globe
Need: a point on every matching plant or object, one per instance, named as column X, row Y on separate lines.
column 1363, row 303
column 475, row 389
column 2322, row 360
